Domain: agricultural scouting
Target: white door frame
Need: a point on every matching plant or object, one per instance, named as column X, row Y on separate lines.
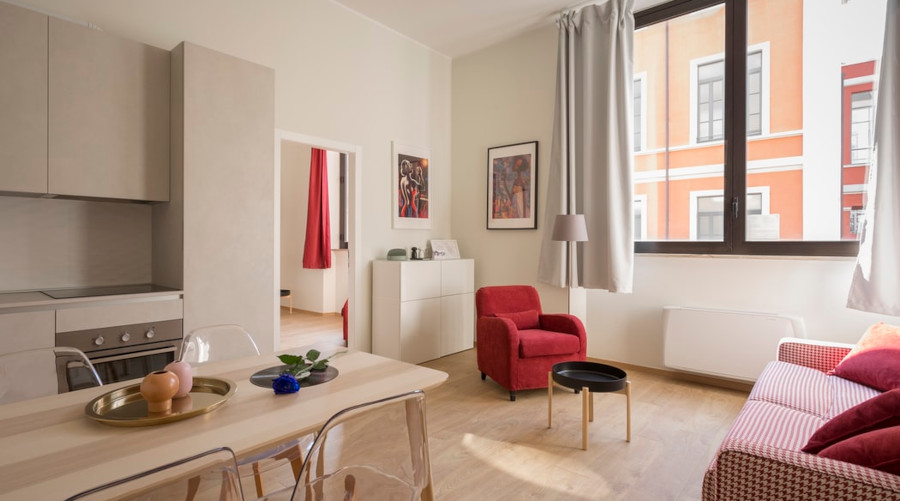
column 354, row 206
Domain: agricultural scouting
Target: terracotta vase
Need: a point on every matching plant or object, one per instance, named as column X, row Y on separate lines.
column 158, row 388
column 185, row 377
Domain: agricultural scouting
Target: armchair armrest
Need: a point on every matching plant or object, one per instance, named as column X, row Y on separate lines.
column 746, row 470
column 562, row 322
column 820, row 355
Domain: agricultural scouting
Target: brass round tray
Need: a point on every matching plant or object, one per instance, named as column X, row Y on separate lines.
column 126, row 406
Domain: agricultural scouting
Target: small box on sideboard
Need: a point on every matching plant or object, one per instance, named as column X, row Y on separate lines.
column 422, row 310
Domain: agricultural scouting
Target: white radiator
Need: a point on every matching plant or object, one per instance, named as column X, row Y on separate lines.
column 731, row 344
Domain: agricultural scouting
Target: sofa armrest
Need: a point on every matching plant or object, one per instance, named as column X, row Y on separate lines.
column 820, row 355
column 745, row 470
column 569, row 324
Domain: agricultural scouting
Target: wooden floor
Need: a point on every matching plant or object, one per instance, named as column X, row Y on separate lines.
column 300, row 328
column 485, row 447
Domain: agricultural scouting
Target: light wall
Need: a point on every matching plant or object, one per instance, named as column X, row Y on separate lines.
column 504, row 94
column 337, row 76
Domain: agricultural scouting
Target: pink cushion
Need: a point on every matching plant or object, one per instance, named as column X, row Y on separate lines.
column 882, row 411
column 541, row 343
column 875, row 360
column 523, row 319
column 879, row 449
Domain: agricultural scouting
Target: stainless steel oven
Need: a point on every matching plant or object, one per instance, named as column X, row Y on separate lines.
column 127, row 351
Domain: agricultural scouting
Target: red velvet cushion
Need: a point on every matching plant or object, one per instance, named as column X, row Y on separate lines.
column 541, row 343
column 875, row 360
column 879, row 449
column 523, row 319
column 882, row 411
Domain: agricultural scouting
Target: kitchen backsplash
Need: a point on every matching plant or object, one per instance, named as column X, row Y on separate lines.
column 53, row 243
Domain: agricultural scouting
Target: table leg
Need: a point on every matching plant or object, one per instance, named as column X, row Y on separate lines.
column 591, row 406
column 585, row 396
column 550, row 399
column 628, row 410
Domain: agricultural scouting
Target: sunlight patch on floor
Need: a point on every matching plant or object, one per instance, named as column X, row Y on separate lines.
column 529, row 464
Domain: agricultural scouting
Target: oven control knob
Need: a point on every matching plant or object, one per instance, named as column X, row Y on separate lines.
column 126, row 337
column 98, row 340
column 150, row 333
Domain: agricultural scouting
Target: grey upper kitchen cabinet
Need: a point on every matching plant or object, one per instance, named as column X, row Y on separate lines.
column 23, row 100
column 108, row 131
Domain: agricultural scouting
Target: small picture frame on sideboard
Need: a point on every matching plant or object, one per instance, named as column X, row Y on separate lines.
column 444, row 249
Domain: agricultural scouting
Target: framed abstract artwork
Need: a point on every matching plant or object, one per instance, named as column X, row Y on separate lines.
column 410, row 190
column 512, row 187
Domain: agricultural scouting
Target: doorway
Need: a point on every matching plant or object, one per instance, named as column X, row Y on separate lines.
column 317, row 296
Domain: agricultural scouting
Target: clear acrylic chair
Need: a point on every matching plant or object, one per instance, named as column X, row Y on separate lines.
column 44, row 371
column 215, row 343
column 211, row 475
column 377, row 450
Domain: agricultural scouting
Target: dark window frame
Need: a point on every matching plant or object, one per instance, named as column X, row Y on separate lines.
column 735, row 138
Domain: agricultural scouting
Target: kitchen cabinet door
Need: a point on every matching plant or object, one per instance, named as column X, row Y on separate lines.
column 27, row 330
column 108, row 115
column 23, row 100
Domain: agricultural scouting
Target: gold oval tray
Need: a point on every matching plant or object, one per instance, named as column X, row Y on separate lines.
column 126, row 406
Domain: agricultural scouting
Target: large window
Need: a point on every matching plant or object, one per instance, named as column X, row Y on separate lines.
column 757, row 130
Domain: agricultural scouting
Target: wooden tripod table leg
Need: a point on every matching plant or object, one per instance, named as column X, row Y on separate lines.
column 550, row 399
column 628, row 410
column 585, row 399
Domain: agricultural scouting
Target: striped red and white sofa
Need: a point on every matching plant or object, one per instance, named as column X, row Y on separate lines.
column 760, row 456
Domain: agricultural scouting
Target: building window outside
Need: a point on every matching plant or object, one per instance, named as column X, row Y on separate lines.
column 754, row 93
column 640, row 219
column 710, row 214
column 710, row 101
column 861, row 111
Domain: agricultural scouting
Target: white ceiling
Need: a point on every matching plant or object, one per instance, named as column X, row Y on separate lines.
column 457, row 27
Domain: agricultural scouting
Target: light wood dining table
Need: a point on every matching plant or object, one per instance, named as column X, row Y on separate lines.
column 49, row 448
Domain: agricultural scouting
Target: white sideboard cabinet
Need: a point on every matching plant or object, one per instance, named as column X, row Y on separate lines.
column 422, row 310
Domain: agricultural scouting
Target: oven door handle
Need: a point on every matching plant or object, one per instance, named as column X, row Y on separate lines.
column 136, row 354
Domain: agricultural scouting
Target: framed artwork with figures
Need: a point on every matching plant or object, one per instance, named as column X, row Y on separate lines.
column 512, row 187
column 410, row 190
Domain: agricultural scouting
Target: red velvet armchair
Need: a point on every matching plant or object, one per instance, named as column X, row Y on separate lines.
column 517, row 344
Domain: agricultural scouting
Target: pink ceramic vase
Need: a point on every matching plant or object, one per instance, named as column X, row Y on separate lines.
column 185, row 377
column 158, row 388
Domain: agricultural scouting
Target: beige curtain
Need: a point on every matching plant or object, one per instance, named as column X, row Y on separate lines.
column 876, row 278
column 591, row 155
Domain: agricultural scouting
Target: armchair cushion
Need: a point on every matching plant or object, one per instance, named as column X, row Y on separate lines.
column 882, row 411
column 541, row 343
column 879, row 449
column 523, row 319
column 875, row 361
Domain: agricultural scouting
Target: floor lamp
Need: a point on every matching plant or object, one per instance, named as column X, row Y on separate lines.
column 569, row 228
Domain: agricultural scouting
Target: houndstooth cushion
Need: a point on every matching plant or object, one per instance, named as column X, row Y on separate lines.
column 820, row 355
column 748, row 471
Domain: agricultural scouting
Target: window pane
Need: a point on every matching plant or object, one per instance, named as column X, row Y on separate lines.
column 684, row 157
column 814, row 156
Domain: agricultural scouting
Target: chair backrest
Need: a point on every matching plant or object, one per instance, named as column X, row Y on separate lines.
column 211, row 475
column 376, row 450
column 506, row 299
column 217, row 342
column 45, row 371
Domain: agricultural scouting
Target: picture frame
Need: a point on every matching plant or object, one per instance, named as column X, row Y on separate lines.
column 444, row 249
column 410, row 187
column 512, row 186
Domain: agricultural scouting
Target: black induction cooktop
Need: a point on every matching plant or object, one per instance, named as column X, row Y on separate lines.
column 112, row 290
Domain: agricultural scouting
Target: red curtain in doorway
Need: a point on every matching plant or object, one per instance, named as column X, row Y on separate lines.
column 317, row 249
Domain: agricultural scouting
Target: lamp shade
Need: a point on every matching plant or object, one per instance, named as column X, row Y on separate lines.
column 570, row 228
